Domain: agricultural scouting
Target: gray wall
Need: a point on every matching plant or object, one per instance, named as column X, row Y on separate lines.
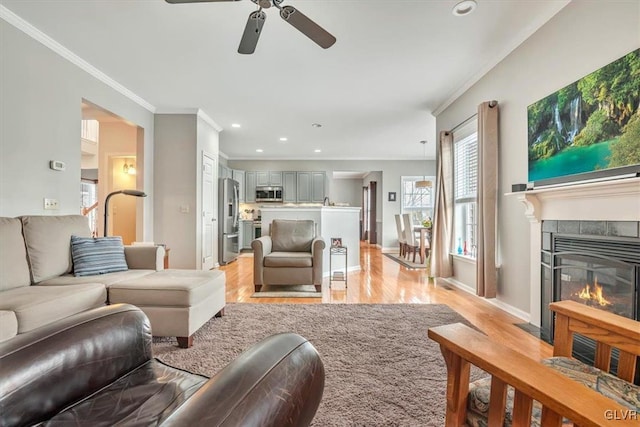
column 179, row 144
column 40, row 115
column 175, row 161
column 347, row 191
column 392, row 171
column 581, row 38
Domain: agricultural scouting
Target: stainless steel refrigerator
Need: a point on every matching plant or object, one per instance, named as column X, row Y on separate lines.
column 229, row 220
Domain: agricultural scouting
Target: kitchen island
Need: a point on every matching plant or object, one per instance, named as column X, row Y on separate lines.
column 331, row 222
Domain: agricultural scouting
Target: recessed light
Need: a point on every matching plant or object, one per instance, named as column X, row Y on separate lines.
column 464, row 7
column 316, row 125
column 259, row 150
column 235, row 125
column 283, row 139
column 317, row 150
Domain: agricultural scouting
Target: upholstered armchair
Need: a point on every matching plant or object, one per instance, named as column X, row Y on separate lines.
column 290, row 255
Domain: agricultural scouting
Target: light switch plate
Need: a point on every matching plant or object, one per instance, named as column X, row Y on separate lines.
column 51, row 204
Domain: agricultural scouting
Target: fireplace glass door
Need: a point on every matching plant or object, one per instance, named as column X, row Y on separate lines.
column 596, row 281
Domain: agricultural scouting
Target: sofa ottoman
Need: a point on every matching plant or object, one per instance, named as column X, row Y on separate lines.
column 178, row 302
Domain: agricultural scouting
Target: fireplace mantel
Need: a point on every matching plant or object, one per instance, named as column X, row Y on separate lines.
column 612, row 200
column 603, row 200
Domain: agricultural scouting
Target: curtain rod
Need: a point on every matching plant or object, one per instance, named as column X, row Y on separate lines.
column 464, row 122
column 473, row 116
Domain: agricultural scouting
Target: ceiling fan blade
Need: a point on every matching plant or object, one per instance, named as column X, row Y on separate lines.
column 195, row 1
column 307, row 27
column 252, row 32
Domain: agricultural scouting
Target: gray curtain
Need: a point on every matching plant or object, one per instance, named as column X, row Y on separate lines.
column 442, row 232
column 486, row 272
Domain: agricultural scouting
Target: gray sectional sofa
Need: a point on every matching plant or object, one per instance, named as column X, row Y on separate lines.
column 37, row 285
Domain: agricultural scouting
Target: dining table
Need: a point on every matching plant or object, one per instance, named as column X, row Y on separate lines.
column 425, row 239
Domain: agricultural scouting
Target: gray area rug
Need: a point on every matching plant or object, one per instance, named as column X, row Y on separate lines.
column 287, row 291
column 406, row 263
column 381, row 368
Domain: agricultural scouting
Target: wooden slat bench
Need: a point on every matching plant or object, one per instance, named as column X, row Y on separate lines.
column 559, row 395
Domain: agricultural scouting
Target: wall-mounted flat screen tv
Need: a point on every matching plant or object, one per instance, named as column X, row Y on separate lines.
column 589, row 129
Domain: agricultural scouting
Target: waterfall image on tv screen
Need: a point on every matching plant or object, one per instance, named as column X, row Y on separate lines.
column 589, row 128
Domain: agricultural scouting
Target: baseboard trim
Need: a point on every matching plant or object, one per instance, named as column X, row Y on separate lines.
column 493, row 301
column 459, row 285
column 392, row 249
column 349, row 270
column 510, row 309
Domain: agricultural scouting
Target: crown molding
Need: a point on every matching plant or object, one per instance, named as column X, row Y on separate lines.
column 41, row 37
column 204, row 116
column 516, row 41
column 313, row 158
column 195, row 111
column 223, row 155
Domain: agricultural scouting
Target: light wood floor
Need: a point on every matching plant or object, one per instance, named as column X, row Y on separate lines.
column 383, row 281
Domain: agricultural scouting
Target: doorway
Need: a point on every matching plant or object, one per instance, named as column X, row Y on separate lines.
column 112, row 150
column 369, row 213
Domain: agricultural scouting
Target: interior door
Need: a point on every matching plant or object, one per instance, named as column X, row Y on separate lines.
column 364, row 219
column 208, row 211
column 373, row 234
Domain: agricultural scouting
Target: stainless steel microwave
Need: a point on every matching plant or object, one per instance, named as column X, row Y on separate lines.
column 268, row 194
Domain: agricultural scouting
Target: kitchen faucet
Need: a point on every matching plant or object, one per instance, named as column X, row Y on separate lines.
column 325, row 202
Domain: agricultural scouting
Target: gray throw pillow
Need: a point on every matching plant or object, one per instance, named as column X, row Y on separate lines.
column 100, row 255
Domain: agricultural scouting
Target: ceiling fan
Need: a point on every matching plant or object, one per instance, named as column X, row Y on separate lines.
column 290, row 14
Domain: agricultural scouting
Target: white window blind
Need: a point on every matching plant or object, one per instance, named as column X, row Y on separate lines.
column 466, row 169
column 465, row 192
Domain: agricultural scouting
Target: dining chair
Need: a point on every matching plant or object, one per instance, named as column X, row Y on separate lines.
column 400, row 229
column 411, row 243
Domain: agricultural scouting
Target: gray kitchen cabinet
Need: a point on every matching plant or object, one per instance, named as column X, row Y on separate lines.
column 223, row 171
column 310, row 187
column 247, row 234
column 268, row 178
column 289, row 184
column 262, row 178
column 317, row 186
column 238, row 175
column 250, row 187
column 275, row 178
column 303, row 180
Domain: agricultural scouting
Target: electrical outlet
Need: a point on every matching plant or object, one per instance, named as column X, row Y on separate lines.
column 51, row 204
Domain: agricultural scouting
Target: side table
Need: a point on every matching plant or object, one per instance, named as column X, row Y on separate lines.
column 341, row 274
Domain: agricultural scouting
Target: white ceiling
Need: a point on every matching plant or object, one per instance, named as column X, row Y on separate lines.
column 394, row 63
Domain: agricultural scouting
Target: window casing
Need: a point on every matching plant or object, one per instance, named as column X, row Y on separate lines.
column 465, row 181
column 417, row 201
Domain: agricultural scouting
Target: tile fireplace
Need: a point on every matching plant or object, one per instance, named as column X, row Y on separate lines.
column 596, row 263
column 592, row 262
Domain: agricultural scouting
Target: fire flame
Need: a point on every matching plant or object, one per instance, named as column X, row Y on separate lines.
column 595, row 296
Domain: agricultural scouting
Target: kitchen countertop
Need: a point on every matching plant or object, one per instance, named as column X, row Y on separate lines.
column 307, row 206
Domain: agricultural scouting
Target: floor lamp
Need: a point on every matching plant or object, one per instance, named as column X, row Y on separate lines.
column 135, row 193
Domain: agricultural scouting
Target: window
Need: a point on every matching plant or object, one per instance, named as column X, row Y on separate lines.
column 88, row 203
column 465, row 178
column 417, row 201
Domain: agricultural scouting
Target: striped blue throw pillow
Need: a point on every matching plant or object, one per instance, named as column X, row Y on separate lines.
column 100, row 255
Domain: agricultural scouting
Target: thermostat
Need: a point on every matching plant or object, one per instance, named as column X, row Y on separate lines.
column 57, row 165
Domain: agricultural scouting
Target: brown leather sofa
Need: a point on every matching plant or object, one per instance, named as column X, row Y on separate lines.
column 96, row 369
column 291, row 255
